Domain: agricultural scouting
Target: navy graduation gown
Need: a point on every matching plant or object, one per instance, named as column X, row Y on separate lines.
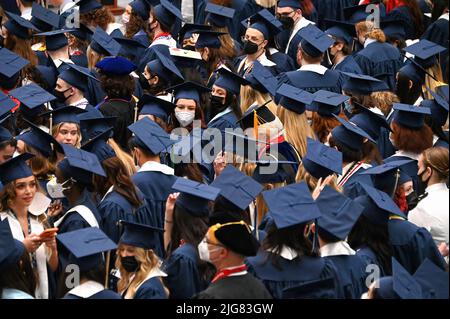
column 290, row 273
column 352, row 188
column 227, row 120
column 403, row 15
column 441, row 143
column 352, row 274
column 284, row 63
column 80, row 60
column 104, row 294
column 293, row 48
column 411, row 245
column 349, row 65
column 183, row 276
column 312, row 82
column 438, row 32
column 380, row 60
column 142, row 38
column 331, row 10
column 370, row 258
column 151, row 289
column 95, row 93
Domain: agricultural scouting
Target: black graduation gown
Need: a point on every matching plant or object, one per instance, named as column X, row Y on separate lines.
column 312, row 82
column 231, row 288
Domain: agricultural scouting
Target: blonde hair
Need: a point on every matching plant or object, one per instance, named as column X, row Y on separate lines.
column 93, row 57
column 431, row 83
column 250, row 96
column 311, row 181
column 227, row 45
column 384, row 101
column 148, row 260
column 370, row 32
column 266, row 3
column 296, row 129
column 56, row 128
column 123, row 156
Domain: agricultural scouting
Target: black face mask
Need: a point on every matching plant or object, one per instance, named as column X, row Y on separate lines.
column 130, row 264
column 189, row 47
column 250, row 47
column 143, row 82
column 217, row 104
column 412, row 200
column 422, row 185
column 60, row 95
column 287, row 22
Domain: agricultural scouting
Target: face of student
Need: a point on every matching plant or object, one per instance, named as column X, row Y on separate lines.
column 25, row 189
column 68, row 134
column 6, row 153
column 127, row 251
column 185, row 105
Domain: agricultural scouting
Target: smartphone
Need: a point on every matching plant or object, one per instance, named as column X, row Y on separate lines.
column 49, row 232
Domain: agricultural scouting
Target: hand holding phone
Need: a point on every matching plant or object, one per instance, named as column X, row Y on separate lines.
column 48, row 233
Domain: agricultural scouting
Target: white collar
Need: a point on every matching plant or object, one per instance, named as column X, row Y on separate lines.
column 286, row 252
column 390, row 114
column 407, row 154
column 241, row 273
column 273, row 51
column 226, row 111
column 369, row 41
column 444, row 16
column 341, row 248
column 113, row 26
column 58, row 62
column 436, row 187
column 303, row 22
column 87, row 289
column 435, row 139
column 151, row 166
column 66, row 5
column 265, row 61
column 26, row 14
column 109, row 191
column 80, row 103
column 316, row 68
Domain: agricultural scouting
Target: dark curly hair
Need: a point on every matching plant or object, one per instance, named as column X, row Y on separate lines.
column 135, row 25
column 100, row 17
column 117, row 86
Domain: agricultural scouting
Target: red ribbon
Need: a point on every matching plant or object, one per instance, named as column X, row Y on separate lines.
column 227, row 272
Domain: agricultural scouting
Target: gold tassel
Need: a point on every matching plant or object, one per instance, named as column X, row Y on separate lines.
column 255, row 123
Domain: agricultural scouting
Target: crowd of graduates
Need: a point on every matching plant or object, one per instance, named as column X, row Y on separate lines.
column 224, row 149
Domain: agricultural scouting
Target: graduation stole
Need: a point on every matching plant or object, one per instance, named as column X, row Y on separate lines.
column 224, row 273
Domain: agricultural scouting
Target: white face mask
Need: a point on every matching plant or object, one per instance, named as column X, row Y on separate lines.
column 185, row 117
column 125, row 18
column 55, row 190
column 204, row 252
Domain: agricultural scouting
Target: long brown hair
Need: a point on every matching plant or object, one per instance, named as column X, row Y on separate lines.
column 135, row 25
column 322, row 125
column 409, row 140
column 39, row 164
column 21, row 47
column 20, row 276
column 8, row 194
column 417, row 16
column 227, row 48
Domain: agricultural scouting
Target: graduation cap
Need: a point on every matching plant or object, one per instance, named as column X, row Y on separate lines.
column 256, row 115
column 140, row 235
column 150, row 136
column 32, row 99
column 5, row 134
column 15, row 168
column 65, row 114
column 394, row 29
column 83, row 33
column 93, row 123
column 185, row 58
column 378, row 206
column 432, row 279
column 86, row 246
column 218, row 15
column 11, row 250
column 410, row 116
column 229, row 81
column 103, row 43
column 19, row 26
column 167, row 13
column 438, row 107
column 11, row 64
column 55, row 40
column 442, row 90
column 116, row 65
column 370, row 121
column 194, row 196
column 291, row 205
column 314, row 41
column 43, row 19
column 293, row 99
column 76, row 76
column 401, row 285
column 130, row 48
column 164, row 67
column 327, row 103
column 153, row 105
column 425, row 52
column 320, row 160
column 86, row 6
column 355, row 14
column 236, row 236
column 189, row 90
column 99, row 146
column 413, row 71
column 242, row 145
column 141, row 8
column 80, row 165
column 363, row 84
column 318, row 289
column 340, row 30
column 6, row 103
column 339, row 213
column 39, row 140
column 350, row 134
column 284, row 171
column 265, row 22
column 261, row 79
column 384, row 176
column 294, row 4
column 208, row 39
column 188, row 29
column 236, row 187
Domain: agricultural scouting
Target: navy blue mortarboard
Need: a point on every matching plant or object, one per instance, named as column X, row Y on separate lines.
column 140, row 235
column 141, row 8
column 339, row 213
column 394, row 29
column 350, row 134
column 6, row 103
column 263, row 114
column 242, row 145
column 424, row 52
column 370, row 121
column 153, row 105
column 401, row 285
column 443, row 91
column 86, row 246
column 261, row 79
column 295, row 4
column 88, row 5
column 164, row 67
column 413, row 71
column 5, row 134
column 265, row 22
column 314, row 41
column 11, row 250
column 11, row 64
column 150, row 136
column 291, row 205
column 80, row 165
column 293, row 99
column 433, row 280
column 19, row 26
column 130, row 48
column 283, row 171
column 218, row 15
column 378, row 206
column 189, row 29
column 32, row 99
column 194, row 196
column 93, row 123
column 438, row 107
column 116, row 65
column 363, row 84
column 44, row 19
column 167, row 13
column 189, row 91
column 230, row 81
column 385, row 175
column 48, row 75
column 208, row 39
column 99, row 146
column 327, row 103
column 410, row 116
column 320, row 160
column 82, row 33
column 341, row 30
column 76, row 76
column 40, row 140
column 66, row 114
column 55, row 40
column 15, row 168
column 237, row 187
column 103, row 43
column 355, row 14
column 318, row 289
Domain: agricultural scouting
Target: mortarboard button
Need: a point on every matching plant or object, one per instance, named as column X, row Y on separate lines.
column 11, row 63
column 19, row 26
column 363, row 84
column 424, row 51
column 265, row 22
column 43, row 19
column 189, row 90
column 327, row 103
